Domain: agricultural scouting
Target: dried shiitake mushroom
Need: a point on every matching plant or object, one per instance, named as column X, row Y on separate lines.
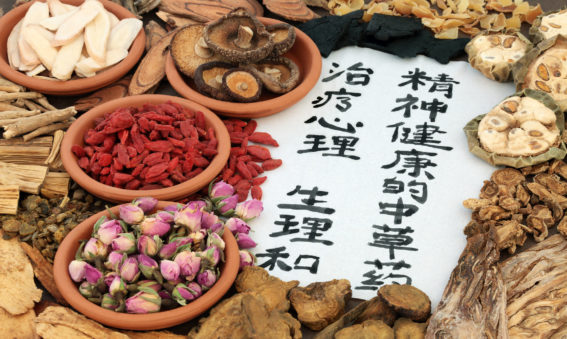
column 208, row 79
column 550, row 24
column 239, row 37
column 408, row 301
column 241, row 85
column 284, row 38
column 279, row 75
column 494, row 54
column 189, row 50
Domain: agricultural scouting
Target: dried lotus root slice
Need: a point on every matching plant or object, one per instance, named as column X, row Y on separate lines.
column 536, row 129
column 494, row 54
column 549, row 25
column 540, row 112
column 493, row 140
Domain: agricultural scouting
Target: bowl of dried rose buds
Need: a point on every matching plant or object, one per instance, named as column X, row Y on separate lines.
column 147, row 264
column 69, row 47
column 145, row 145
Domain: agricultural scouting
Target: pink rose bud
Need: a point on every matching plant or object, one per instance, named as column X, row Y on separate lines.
column 228, row 204
column 94, row 248
column 221, row 189
column 210, row 220
column 114, row 260
column 154, row 285
column 117, row 287
column 189, row 264
column 249, row 209
column 108, row 231
column 124, row 243
column 236, row 225
column 246, row 258
column 206, row 279
column 197, row 236
column 147, row 204
column 166, row 217
column 146, row 301
column 129, row 270
column 216, row 240
column 109, row 278
column 196, row 205
column 131, row 214
column 169, row 269
column 189, row 218
column 87, row 289
column 77, row 270
column 92, row 275
column 183, row 293
column 154, row 226
column 109, row 302
column 164, row 294
column 147, row 265
column 244, row 241
column 212, row 255
column 148, row 245
column 173, row 207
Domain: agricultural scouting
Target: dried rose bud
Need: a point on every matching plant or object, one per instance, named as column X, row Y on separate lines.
column 93, row 249
column 117, row 287
column 131, row 214
column 92, row 275
column 221, row 190
column 183, row 293
column 189, row 264
column 227, row 205
column 196, row 205
column 189, row 218
column 236, row 225
column 249, row 209
column 169, row 269
column 246, row 258
column 149, row 245
column 77, row 270
column 147, row 204
column 216, row 240
column 129, row 270
column 88, row 290
column 124, row 243
column 154, row 285
column 210, row 221
column 164, row 294
column 164, row 216
column 114, row 260
column 211, row 255
column 206, row 279
column 145, row 301
column 109, row 278
column 154, row 226
column 173, row 207
column 108, row 231
column 147, row 265
column 109, row 302
column 244, row 241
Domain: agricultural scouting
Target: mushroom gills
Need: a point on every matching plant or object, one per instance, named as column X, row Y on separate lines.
column 242, row 85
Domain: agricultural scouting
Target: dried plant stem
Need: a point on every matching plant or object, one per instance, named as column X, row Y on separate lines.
column 47, row 129
column 19, row 95
column 15, row 114
column 31, row 123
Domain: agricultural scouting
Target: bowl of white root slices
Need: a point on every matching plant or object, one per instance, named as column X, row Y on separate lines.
column 69, row 47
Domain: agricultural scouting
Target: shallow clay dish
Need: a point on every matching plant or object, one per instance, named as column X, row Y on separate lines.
column 73, row 86
column 78, row 129
column 304, row 53
column 141, row 322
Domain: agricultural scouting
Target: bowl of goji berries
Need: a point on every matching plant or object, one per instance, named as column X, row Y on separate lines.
column 145, row 145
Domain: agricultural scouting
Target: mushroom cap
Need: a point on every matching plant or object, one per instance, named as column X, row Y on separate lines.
column 284, row 38
column 183, row 50
column 207, row 79
column 242, row 85
column 285, row 80
column 220, row 36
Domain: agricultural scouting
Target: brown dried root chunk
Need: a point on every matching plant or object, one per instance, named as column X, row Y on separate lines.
column 507, row 176
column 18, row 326
column 406, row 300
column 370, row 329
column 405, row 328
column 273, row 290
column 245, row 316
column 473, row 304
column 320, row 303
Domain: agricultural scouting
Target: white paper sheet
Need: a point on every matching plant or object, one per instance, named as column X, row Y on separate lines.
column 356, row 187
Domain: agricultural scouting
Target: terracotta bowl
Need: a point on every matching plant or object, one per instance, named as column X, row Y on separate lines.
column 304, row 53
column 78, row 129
column 142, row 322
column 74, row 86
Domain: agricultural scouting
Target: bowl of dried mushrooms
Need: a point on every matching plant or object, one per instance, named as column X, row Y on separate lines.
column 243, row 66
column 69, row 47
column 137, row 321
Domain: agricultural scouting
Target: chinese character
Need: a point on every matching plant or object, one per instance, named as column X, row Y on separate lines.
column 393, row 186
column 274, row 256
column 419, row 195
column 395, row 265
column 348, row 129
column 414, row 160
column 312, row 268
column 344, row 144
column 433, row 108
column 398, row 210
column 415, row 78
column 342, row 96
column 410, row 103
column 316, row 144
column 392, row 239
column 313, row 226
column 310, row 201
column 353, row 78
column 288, row 226
column 422, row 136
column 443, row 83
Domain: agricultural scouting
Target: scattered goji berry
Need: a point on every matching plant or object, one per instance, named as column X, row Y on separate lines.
column 271, row 164
column 256, row 192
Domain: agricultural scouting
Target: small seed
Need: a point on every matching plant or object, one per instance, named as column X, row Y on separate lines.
column 534, row 133
column 534, row 145
column 554, row 25
column 509, row 106
column 508, row 42
column 494, row 40
column 544, row 28
column 557, row 73
column 542, row 72
column 543, row 86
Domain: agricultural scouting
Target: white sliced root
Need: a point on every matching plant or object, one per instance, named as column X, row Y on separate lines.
column 88, row 67
column 124, row 33
column 35, row 14
column 36, row 71
column 96, row 35
column 40, row 44
column 67, row 58
column 113, row 19
column 75, row 24
column 12, row 46
column 57, row 8
column 53, row 23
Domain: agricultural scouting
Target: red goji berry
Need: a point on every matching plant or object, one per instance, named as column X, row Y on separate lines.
column 108, row 144
column 123, row 136
column 271, row 164
column 153, row 179
column 137, row 170
column 172, row 164
column 242, row 195
column 94, row 138
column 263, row 138
column 159, row 146
column 104, row 159
column 166, row 182
column 120, row 178
column 194, row 173
column 84, row 163
column 250, row 127
column 117, row 164
column 208, row 152
column 78, row 151
column 259, row 181
column 259, row 152
column 157, row 170
column 153, row 158
column 187, row 165
column 242, row 185
column 227, row 173
column 232, row 181
column 133, row 184
column 252, row 170
column 201, row 162
column 243, row 170
column 105, row 171
column 122, row 154
column 256, row 192
column 257, row 167
column 89, row 151
column 200, row 120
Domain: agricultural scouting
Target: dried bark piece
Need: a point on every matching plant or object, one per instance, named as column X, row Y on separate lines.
column 28, row 177
column 152, row 67
column 369, row 329
column 295, row 10
column 9, row 197
column 406, row 300
column 243, row 316
column 320, row 303
column 175, row 21
column 207, row 10
column 43, row 271
column 273, row 290
column 473, row 304
column 18, row 326
column 116, row 90
column 154, row 33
